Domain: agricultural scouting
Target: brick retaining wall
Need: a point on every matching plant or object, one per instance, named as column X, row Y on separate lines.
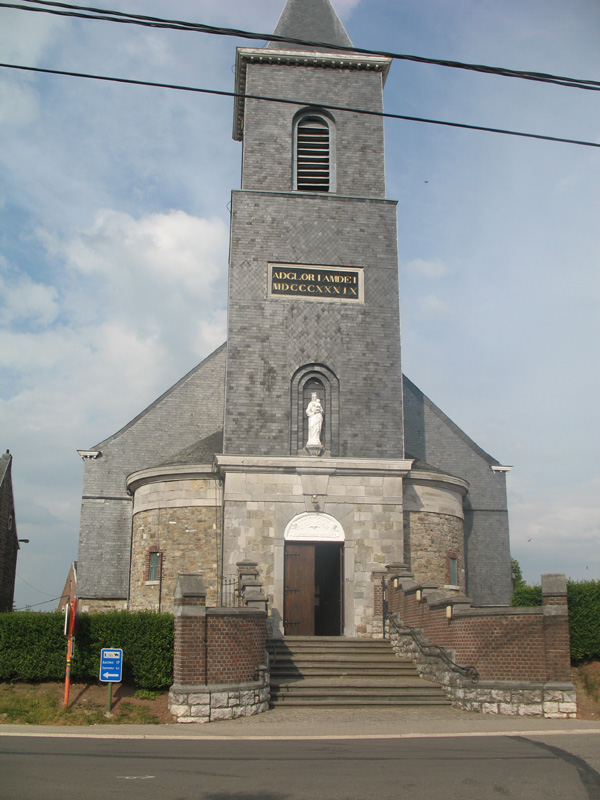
column 522, row 655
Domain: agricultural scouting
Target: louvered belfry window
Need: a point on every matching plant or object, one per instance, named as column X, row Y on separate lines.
column 313, row 156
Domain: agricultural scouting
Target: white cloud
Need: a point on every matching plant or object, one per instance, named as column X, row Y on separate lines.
column 431, row 306
column 211, row 332
column 344, row 7
column 24, row 37
column 18, row 103
column 434, row 268
column 25, row 300
column 556, row 530
column 174, row 249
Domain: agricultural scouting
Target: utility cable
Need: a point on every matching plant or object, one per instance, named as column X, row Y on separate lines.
column 35, row 587
column 34, row 605
column 90, row 12
column 368, row 112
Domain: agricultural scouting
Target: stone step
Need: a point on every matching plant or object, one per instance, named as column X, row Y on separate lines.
column 356, row 702
column 352, row 683
column 340, row 666
column 338, row 658
column 408, row 692
column 339, row 672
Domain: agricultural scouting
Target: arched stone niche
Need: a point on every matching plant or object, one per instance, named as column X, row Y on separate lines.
column 312, row 526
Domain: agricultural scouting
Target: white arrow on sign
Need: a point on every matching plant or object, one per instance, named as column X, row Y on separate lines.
column 110, row 674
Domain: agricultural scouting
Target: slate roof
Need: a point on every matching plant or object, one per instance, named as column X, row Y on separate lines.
column 202, row 452
column 423, row 466
column 5, row 460
column 314, row 20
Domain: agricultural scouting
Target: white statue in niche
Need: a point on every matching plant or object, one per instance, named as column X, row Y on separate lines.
column 314, row 412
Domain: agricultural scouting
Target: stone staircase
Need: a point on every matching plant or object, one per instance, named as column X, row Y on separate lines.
column 334, row 671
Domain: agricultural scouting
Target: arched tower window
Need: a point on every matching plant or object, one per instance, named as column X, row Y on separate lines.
column 314, row 150
column 321, row 380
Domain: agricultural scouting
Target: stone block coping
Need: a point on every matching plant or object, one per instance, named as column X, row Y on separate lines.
column 314, row 465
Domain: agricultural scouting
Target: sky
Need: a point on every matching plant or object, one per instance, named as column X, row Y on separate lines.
column 114, row 239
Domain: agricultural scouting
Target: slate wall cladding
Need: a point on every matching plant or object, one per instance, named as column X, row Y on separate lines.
column 186, row 413
column 431, row 436
column 270, row 338
column 268, row 127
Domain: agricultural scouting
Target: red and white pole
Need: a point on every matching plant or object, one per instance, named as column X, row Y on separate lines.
column 70, row 631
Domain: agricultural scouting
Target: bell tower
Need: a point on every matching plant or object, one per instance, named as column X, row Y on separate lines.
column 313, row 276
column 313, row 453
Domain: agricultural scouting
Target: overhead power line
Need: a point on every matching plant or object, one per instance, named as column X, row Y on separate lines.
column 297, row 102
column 35, row 605
column 90, row 12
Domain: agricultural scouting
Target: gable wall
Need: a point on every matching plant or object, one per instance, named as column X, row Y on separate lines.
column 190, row 411
column 432, row 437
column 8, row 536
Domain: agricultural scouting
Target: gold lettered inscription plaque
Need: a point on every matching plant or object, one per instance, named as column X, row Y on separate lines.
column 316, row 282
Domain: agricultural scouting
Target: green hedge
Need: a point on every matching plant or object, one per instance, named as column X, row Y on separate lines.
column 584, row 619
column 33, row 647
column 584, row 614
column 524, row 595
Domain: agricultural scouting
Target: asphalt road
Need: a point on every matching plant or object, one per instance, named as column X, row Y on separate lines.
column 469, row 768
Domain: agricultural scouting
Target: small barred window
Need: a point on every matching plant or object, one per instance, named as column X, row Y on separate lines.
column 453, row 564
column 154, row 566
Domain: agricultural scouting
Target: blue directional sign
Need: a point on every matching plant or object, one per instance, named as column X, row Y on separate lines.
column 111, row 665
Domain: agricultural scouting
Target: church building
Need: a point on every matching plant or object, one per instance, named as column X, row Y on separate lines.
column 299, row 446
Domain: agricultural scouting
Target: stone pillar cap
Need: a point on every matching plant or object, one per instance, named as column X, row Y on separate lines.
column 554, row 584
column 189, row 586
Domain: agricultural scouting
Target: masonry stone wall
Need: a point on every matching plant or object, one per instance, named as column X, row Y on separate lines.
column 102, row 606
column 430, row 540
column 259, row 506
column 186, row 539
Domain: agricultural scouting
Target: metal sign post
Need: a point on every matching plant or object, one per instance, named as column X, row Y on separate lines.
column 111, row 668
column 71, row 622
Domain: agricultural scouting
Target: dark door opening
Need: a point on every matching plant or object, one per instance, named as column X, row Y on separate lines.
column 328, row 589
column 313, row 589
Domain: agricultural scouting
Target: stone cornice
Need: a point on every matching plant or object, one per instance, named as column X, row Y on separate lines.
column 439, row 480
column 307, row 465
column 296, row 58
column 176, row 472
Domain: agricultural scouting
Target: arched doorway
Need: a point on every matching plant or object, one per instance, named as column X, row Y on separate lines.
column 313, row 576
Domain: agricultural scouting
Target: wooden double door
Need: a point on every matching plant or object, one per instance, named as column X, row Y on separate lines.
column 313, row 588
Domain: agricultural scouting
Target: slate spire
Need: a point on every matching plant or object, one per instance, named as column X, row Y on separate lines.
column 313, row 20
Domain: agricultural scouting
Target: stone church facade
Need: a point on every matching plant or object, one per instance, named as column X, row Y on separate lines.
column 227, row 466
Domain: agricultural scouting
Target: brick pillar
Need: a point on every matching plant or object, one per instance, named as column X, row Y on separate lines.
column 189, row 658
column 378, row 579
column 377, row 631
column 556, row 628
